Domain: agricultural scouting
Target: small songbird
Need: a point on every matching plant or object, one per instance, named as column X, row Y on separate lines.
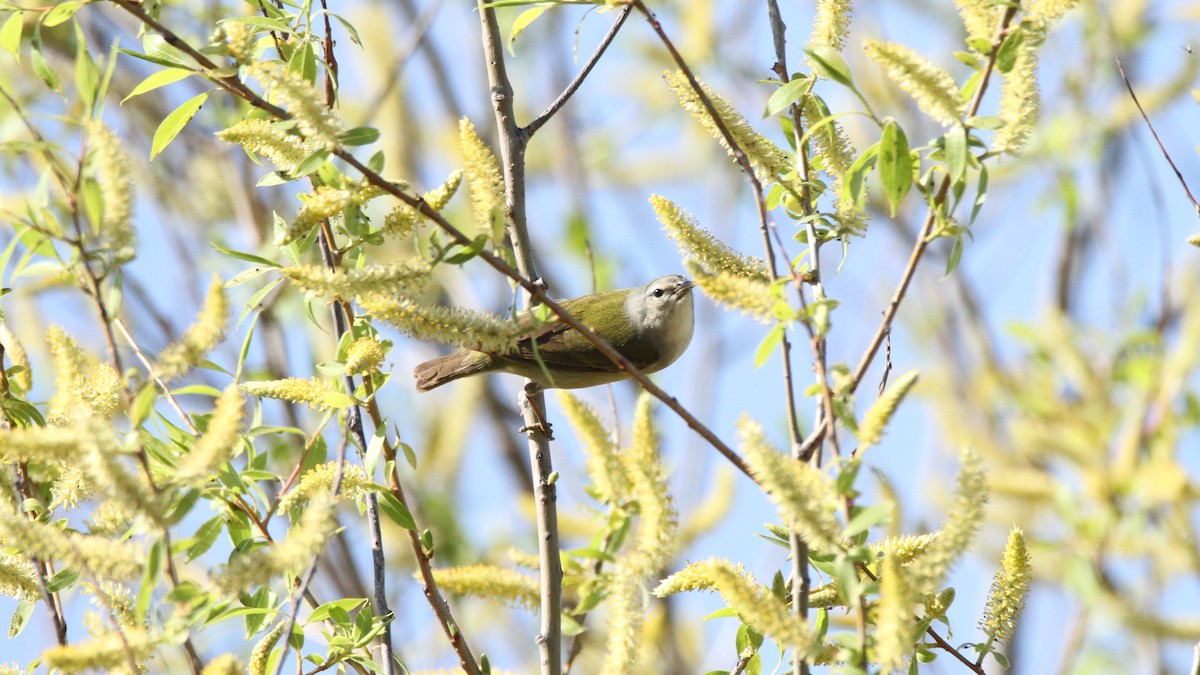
column 651, row 326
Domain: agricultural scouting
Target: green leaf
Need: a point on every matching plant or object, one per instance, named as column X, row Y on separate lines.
column 263, row 22
column 150, row 579
column 10, row 34
column 206, row 536
column 469, row 252
column 396, row 511
column 772, row 340
column 854, row 187
column 174, row 123
column 867, row 518
column 895, row 164
column 43, row 69
column 252, row 303
column 200, row 389
column 980, row 194
column 20, row 618
column 1006, row 56
column 956, row 152
column 248, row 257
column 62, row 580
column 360, row 136
column 336, row 399
column 955, row 256
column 160, row 79
column 143, row 404
column 311, row 163
column 523, row 21
column 343, row 607
column 86, row 72
column 61, row 12
column 785, row 96
column 830, row 65
column 350, row 29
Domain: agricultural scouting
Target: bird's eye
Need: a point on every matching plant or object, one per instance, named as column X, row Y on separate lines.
column 658, row 292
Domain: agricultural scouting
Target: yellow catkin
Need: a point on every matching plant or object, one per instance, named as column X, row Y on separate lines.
column 322, row 203
column 805, row 496
column 757, row 299
column 262, row 651
column 931, row 87
column 365, row 356
column 112, row 169
column 700, row 245
column 965, row 515
column 306, row 105
column 1007, row 596
column 205, row 333
column 305, row 540
column 108, row 652
column 408, row 276
column 319, row 481
column 102, row 558
column 284, row 149
column 15, row 354
column 893, row 618
column 18, row 578
column 488, row 581
column 485, row 181
column 831, row 23
column 225, row 664
column 875, row 422
column 315, row 392
column 1019, row 101
column 218, row 442
column 447, row 325
column 771, row 163
column 609, row 483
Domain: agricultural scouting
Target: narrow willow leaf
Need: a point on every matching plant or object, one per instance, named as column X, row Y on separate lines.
column 10, row 34
column 175, row 122
column 830, row 65
column 895, row 164
column 160, row 79
column 956, row 152
column 786, row 96
column 523, row 21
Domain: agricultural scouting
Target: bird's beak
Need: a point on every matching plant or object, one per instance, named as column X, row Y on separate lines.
column 683, row 287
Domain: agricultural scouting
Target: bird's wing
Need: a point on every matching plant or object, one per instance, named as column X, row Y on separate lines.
column 562, row 348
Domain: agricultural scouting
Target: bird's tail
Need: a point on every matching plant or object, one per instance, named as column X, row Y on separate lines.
column 437, row 372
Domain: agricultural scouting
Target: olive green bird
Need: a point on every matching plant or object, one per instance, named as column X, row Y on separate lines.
column 651, row 326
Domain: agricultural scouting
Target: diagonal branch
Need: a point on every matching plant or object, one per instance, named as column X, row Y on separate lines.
column 532, row 128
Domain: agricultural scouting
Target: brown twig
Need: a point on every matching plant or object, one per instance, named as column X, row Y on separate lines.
column 923, row 236
column 1146, row 118
column 530, row 129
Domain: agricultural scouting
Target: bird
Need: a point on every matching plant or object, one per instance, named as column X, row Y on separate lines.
column 651, row 326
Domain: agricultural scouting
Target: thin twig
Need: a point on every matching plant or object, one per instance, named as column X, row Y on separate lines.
column 923, row 236
column 187, row 421
column 530, row 129
column 1167, row 155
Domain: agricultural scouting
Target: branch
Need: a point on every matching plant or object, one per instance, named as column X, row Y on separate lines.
column 531, row 128
column 513, row 142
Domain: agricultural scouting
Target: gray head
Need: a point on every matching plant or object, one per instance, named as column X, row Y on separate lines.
column 662, row 312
